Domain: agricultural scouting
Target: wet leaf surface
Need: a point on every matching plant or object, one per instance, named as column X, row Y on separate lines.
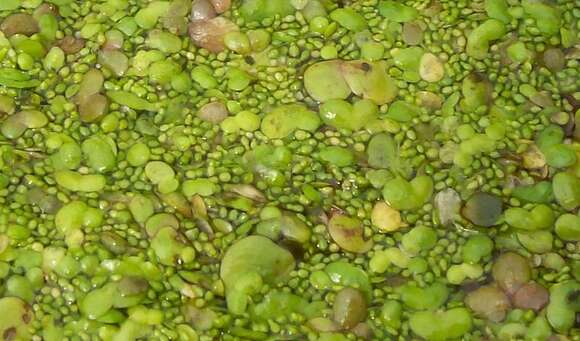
column 483, row 209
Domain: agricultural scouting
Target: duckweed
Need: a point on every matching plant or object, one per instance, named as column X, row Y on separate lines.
column 289, row 169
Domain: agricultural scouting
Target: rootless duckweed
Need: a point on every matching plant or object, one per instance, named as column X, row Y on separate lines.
column 322, row 170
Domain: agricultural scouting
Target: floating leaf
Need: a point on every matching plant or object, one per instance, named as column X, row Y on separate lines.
column 447, row 205
column 348, row 234
column 386, row 218
column 13, row 78
column 408, row 195
column 383, row 152
column 370, row 81
column 285, row 119
column 441, row 325
column 511, row 271
column 488, row 302
column 431, row 69
column 256, row 254
column 531, row 296
column 483, row 209
column 324, row 81
column 17, row 316
column 350, row 307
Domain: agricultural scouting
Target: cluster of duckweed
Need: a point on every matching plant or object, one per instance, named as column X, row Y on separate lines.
column 289, row 170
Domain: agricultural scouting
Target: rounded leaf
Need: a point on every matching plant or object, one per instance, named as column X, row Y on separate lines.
column 256, row 254
column 16, row 318
column 483, row 209
column 324, row 81
column 488, row 302
column 511, row 271
column 348, row 234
